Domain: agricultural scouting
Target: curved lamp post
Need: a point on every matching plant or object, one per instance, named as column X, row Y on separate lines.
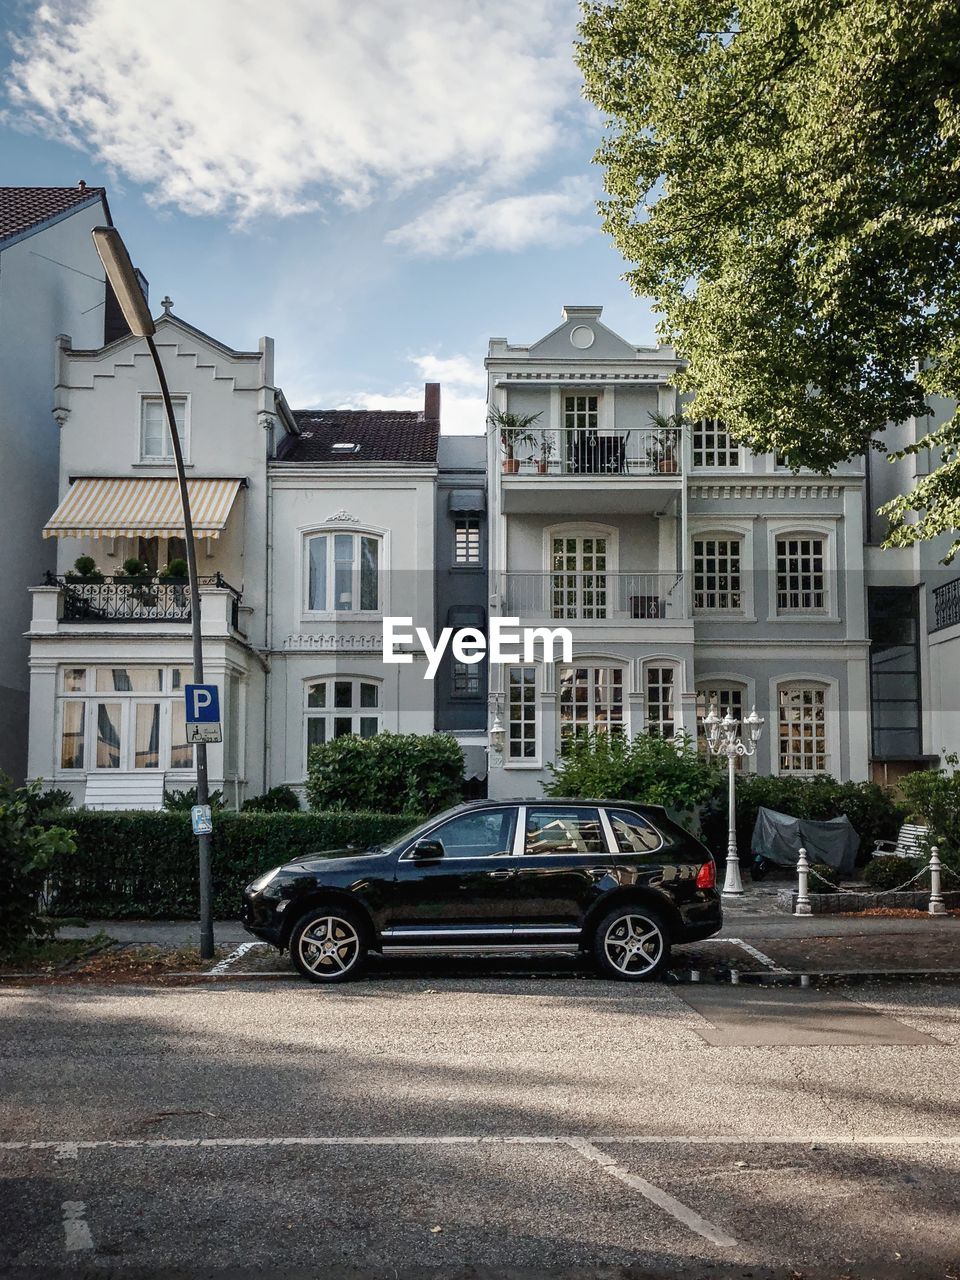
column 123, row 280
column 723, row 741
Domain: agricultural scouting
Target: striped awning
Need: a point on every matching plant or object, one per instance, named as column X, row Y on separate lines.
column 145, row 507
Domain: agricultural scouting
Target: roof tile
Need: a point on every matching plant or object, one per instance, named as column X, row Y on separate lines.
column 22, row 208
column 384, row 435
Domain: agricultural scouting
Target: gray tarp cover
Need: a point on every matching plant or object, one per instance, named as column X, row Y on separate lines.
column 778, row 837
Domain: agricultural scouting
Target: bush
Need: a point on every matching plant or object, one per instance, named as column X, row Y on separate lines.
column 874, row 813
column 183, row 801
column 144, row 864
column 389, row 773
column 933, row 798
column 276, row 800
column 27, row 849
column 53, row 801
column 885, row 873
column 643, row 768
column 823, row 879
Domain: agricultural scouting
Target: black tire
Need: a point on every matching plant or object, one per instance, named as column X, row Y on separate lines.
column 631, row 944
column 335, row 959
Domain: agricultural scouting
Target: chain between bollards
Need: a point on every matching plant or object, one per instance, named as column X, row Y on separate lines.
column 803, row 907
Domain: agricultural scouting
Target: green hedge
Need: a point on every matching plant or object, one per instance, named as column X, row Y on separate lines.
column 144, row 864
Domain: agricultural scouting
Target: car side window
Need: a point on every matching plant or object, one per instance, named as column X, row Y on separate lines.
column 558, row 829
column 632, row 833
column 477, row 835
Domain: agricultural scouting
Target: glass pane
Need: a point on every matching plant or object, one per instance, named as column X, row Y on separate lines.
column 560, row 830
column 477, row 835
column 318, row 574
column 317, row 695
column 181, row 752
column 180, row 676
column 343, row 571
column 369, row 560
column 129, row 679
column 74, row 679
column 342, row 725
column 316, row 731
column 147, row 748
column 368, row 695
column 633, row 834
column 108, row 735
column 343, row 693
column 71, row 745
column 369, row 726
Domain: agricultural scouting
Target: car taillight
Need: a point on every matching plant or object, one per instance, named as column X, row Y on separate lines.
column 707, row 875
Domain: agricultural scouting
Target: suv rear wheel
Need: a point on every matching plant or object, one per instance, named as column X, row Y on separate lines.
column 631, row 944
column 328, row 944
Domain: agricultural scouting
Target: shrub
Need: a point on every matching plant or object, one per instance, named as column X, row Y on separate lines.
column 183, row 801
column 27, row 849
column 933, row 798
column 823, row 879
column 177, row 568
column 276, row 800
column 390, row 773
column 84, row 570
column 144, row 864
column 874, row 813
column 643, row 768
column 885, row 873
column 55, row 800
column 134, row 568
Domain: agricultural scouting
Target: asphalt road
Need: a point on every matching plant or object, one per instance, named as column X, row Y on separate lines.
column 452, row 1126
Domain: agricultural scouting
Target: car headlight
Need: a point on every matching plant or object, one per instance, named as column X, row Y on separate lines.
column 261, row 882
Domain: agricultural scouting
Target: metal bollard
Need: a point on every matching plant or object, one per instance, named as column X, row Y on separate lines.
column 734, row 977
column 936, row 907
column 803, row 907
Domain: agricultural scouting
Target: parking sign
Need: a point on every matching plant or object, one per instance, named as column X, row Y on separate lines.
column 203, row 713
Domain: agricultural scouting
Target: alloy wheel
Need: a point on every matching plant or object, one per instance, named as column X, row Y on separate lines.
column 634, row 945
column 329, row 946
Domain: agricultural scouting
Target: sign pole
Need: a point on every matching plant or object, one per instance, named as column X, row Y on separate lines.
column 203, row 788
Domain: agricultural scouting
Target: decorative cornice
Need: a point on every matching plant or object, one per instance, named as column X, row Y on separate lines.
column 771, row 490
column 342, row 517
column 334, row 642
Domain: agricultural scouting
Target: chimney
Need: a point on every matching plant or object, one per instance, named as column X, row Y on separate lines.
column 431, row 401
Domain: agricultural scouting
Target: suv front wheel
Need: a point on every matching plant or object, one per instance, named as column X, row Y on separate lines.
column 631, row 944
column 328, row 944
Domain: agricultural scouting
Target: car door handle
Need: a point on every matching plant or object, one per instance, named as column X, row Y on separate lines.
column 500, row 875
column 598, row 872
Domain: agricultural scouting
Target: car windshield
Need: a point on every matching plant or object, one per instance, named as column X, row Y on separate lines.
column 396, row 845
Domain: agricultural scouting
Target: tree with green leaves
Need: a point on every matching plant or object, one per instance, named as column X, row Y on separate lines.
column 783, row 177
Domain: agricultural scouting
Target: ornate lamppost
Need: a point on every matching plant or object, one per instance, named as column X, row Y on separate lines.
column 722, row 740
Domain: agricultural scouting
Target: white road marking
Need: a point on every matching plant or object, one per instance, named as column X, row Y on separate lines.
column 66, row 1151
column 467, row 1140
column 76, row 1232
column 656, row 1195
column 751, row 950
column 223, row 965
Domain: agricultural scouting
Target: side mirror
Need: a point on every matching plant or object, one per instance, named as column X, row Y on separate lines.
column 426, row 850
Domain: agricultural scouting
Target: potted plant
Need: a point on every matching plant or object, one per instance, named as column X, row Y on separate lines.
column 140, row 578
column 514, row 431
column 84, row 570
column 663, row 450
column 175, row 574
column 547, row 450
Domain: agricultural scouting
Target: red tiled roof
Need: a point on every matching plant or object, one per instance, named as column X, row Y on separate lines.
column 23, row 208
column 384, row 435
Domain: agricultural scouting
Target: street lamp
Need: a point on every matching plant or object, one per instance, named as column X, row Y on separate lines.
column 722, row 740
column 126, row 286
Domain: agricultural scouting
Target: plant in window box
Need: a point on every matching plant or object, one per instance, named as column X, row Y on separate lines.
column 176, row 575
column 514, row 429
column 547, row 449
column 663, row 450
column 84, row 570
column 137, row 574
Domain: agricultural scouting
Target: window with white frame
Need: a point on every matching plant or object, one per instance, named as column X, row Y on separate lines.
column 713, row 446
column 343, row 573
column 155, row 442
column 466, row 680
column 578, row 586
column 466, row 541
column 591, row 700
column 725, row 698
column 522, row 744
column 342, row 705
column 123, row 717
column 802, row 728
column 660, row 685
column 581, row 412
column 801, row 574
column 716, row 574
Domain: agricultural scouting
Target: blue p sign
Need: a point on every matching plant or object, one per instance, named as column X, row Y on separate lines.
column 203, row 703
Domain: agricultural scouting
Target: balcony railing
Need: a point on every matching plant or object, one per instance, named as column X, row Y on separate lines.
column 946, row 605
column 594, row 597
column 624, row 451
column 135, row 599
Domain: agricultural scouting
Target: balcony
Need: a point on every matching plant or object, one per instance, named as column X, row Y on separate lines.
column 626, row 468
column 946, row 605
column 594, row 597
column 136, row 600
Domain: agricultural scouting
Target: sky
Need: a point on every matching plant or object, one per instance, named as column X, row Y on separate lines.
column 380, row 186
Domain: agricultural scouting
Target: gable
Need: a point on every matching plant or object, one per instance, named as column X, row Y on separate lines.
column 581, row 336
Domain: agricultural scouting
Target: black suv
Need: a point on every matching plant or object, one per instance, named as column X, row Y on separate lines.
column 621, row 881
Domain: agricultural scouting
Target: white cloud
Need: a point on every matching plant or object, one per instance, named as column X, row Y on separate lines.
column 469, row 220
column 463, row 400
column 224, row 106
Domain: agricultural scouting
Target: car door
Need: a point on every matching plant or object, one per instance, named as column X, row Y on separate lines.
column 469, row 888
column 565, row 865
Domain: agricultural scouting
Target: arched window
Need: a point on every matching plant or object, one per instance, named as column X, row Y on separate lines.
column 591, row 699
column 726, row 697
column 661, row 692
column 343, row 572
column 802, row 728
column 340, row 705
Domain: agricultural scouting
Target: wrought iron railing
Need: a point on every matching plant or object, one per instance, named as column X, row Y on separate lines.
column 123, row 599
column 625, row 451
column 594, row 597
column 946, row 605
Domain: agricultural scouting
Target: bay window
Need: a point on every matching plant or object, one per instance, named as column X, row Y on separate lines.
column 123, row 717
